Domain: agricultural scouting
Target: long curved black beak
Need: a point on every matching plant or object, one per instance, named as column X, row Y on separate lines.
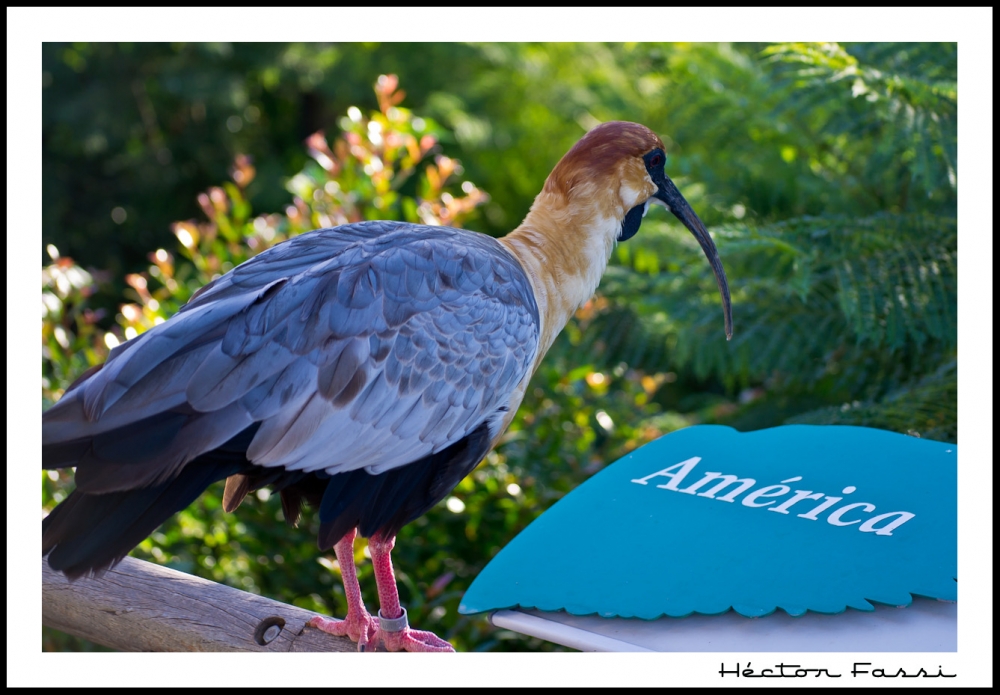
column 668, row 193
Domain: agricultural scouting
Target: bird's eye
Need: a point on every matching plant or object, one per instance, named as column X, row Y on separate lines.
column 656, row 160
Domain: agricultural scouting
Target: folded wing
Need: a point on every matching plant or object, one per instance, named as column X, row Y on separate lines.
column 364, row 346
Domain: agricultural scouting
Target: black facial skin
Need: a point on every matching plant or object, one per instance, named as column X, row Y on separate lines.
column 654, row 166
column 667, row 192
column 630, row 225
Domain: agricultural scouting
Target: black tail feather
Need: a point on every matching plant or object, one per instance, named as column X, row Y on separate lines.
column 64, row 454
column 384, row 503
column 90, row 533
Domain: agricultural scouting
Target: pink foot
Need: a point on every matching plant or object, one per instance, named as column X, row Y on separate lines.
column 360, row 627
column 397, row 635
column 411, row 640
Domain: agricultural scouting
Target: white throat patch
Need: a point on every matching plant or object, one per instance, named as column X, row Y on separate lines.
column 655, row 201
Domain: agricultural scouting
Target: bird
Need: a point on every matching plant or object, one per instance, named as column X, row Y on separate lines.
column 363, row 369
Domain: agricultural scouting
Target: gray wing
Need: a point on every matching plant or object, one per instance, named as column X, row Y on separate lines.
column 368, row 345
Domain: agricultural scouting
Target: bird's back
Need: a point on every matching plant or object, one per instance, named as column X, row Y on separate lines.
column 347, row 353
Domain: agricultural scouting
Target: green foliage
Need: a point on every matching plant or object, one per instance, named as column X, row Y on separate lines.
column 826, row 173
column 71, row 340
column 842, row 312
column 926, row 408
column 885, row 114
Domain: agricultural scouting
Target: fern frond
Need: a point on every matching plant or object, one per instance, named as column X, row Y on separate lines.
column 926, row 408
column 892, row 108
column 809, row 295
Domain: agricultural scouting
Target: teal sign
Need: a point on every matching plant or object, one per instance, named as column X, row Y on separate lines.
column 801, row 518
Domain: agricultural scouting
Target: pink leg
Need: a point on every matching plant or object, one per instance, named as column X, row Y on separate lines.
column 358, row 625
column 406, row 638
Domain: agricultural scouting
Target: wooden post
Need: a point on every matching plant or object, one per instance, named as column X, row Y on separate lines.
column 141, row 607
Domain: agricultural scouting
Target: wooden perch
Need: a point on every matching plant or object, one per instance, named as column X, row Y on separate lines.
column 142, row 607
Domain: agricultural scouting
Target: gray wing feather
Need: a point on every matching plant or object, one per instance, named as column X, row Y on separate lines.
column 368, row 345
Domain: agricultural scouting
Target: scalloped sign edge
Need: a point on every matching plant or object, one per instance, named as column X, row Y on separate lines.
column 492, row 591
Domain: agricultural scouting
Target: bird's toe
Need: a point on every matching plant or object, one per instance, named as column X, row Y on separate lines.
column 411, row 640
column 357, row 627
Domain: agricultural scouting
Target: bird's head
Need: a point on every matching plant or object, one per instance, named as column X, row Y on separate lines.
column 615, row 173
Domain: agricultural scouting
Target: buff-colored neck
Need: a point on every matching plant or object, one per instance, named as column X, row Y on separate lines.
column 564, row 248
